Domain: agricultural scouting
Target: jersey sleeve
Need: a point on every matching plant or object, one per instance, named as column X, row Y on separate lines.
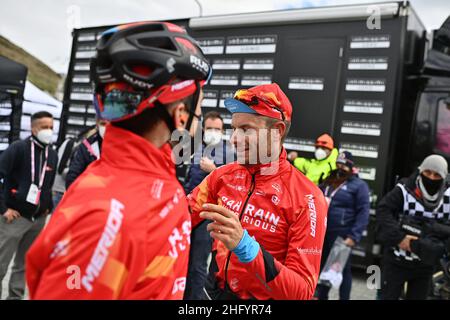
column 91, row 261
column 297, row 277
column 203, row 193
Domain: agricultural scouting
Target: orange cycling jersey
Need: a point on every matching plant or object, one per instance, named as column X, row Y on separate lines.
column 122, row 230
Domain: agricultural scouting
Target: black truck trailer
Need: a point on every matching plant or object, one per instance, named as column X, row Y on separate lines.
column 369, row 75
column 12, row 85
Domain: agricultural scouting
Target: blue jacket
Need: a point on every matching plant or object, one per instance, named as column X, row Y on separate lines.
column 218, row 153
column 348, row 212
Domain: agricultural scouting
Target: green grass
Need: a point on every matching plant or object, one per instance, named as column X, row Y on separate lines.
column 38, row 72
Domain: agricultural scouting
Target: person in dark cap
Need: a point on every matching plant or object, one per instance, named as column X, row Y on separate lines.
column 348, row 216
column 403, row 217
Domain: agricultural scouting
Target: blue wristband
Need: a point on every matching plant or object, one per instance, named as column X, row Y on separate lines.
column 247, row 249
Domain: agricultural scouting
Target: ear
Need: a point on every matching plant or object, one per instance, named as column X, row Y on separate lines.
column 179, row 114
column 281, row 127
column 34, row 130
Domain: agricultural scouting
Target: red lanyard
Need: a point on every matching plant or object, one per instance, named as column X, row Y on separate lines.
column 44, row 167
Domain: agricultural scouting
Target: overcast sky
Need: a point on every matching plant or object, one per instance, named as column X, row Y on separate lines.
column 44, row 27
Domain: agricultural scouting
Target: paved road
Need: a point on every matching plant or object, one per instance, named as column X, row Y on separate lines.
column 359, row 288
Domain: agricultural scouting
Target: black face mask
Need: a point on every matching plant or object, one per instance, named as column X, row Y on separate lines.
column 341, row 173
column 432, row 186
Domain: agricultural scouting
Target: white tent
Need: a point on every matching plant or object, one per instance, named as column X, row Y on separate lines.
column 38, row 100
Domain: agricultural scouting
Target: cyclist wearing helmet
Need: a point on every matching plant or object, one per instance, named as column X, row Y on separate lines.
column 122, row 230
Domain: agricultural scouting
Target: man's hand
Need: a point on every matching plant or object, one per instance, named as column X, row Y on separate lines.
column 405, row 244
column 226, row 226
column 207, row 164
column 10, row 215
column 292, row 155
column 349, row 242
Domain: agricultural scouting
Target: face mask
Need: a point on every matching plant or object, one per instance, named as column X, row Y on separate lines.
column 212, row 137
column 431, row 186
column 45, row 136
column 101, row 131
column 341, row 173
column 320, row 154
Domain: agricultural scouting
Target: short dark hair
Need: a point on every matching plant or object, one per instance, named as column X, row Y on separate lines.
column 212, row 115
column 40, row 115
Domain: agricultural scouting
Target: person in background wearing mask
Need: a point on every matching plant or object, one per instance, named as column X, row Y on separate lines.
column 221, row 152
column 65, row 154
column 410, row 256
column 348, row 216
column 86, row 153
column 318, row 169
column 27, row 173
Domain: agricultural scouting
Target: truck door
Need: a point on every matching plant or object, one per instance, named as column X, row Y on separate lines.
column 442, row 136
column 311, row 71
column 432, row 127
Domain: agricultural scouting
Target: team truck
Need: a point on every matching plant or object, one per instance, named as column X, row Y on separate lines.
column 369, row 75
column 12, row 85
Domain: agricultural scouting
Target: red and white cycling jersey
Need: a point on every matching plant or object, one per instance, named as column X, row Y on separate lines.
column 284, row 212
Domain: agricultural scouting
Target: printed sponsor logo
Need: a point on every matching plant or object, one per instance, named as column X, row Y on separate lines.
column 239, row 175
column 277, row 187
column 101, row 252
column 275, row 200
column 253, row 215
column 260, row 193
column 157, row 188
column 61, row 249
column 232, row 204
column 199, row 64
column 411, row 229
column 310, row 251
column 181, row 85
column 312, row 214
column 234, row 283
column 137, row 82
column 180, row 240
column 170, row 65
column 179, row 285
column 236, row 187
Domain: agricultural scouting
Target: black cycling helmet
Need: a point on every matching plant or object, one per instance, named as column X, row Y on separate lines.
column 157, row 61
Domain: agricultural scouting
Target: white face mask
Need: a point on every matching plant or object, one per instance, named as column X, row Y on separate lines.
column 101, row 131
column 320, row 154
column 45, row 136
column 212, row 137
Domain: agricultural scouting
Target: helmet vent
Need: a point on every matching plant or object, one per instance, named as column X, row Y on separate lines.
column 160, row 43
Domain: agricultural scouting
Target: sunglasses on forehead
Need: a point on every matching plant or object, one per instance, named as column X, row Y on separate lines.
column 252, row 99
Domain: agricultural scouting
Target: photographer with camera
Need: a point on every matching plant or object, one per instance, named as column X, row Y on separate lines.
column 406, row 218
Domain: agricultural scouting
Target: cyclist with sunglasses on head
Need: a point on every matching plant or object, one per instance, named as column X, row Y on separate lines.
column 122, row 231
column 268, row 218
